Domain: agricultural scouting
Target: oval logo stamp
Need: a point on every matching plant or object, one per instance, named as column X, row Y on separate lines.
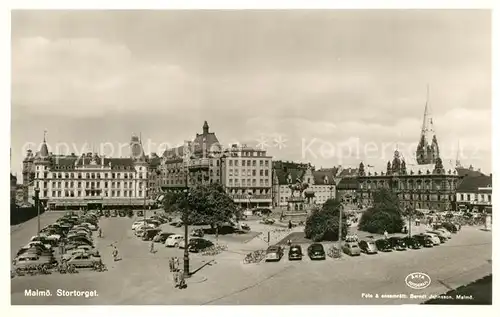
column 418, row 280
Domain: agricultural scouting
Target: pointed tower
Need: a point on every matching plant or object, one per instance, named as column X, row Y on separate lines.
column 136, row 150
column 457, row 161
column 427, row 149
column 205, row 128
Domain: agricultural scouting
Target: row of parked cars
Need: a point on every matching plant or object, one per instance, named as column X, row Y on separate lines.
column 149, row 230
column 70, row 236
column 316, row 251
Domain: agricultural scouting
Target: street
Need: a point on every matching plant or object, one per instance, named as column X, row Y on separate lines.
column 144, row 278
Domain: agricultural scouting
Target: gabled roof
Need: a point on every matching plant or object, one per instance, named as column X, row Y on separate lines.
column 319, row 176
column 468, row 172
column 347, row 183
column 472, row 183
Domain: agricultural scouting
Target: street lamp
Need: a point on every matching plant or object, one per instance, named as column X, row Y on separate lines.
column 37, row 205
column 340, row 230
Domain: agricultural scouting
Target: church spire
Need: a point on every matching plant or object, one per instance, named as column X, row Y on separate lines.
column 457, row 160
column 428, row 149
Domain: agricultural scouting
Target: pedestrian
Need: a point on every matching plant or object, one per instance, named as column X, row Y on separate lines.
column 289, row 224
column 175, row 278
column 115, row 253
column 100, row 233
column 176, row 264
column 171, row 264
column 152, row 247
column 386, row 234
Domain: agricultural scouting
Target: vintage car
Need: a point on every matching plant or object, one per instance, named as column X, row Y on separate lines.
column 84, row 260
column 295, row 252
column 351, row 248
column 316, row 251
column 274, row 253
column 368, row 247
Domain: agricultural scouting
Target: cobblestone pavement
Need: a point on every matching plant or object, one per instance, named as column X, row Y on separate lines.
column 144, row 278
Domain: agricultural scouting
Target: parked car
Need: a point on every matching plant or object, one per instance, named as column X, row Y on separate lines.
column 140, row 213
column 383, row 245
column 84, row 260
column 424, row 240
column 46, row 241
column 397, row 243
column 107, row 213
column 351, row 248
column 34, row 250
column 412, row 243
column 316, row 252
column 26, row 261
column 174, row 240
column 368, row 247
column 442, row 238
column 267, row 221
column 114, row 213
column 295, row 252
column 47, row 246
column 88, row 249
column 434, row 238
column 274, row 253
column 122, row 213
column 444, row 232
column 161, row 237
column 245, row 227
column 90, row 226
column 197, row 233
column 198, row 244
column 150, row 233
column 450, row 227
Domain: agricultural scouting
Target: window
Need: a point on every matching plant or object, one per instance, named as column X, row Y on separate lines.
column 235, row 162
column 230, row 172
column 261, row 163
column 79, row 175
column 254, row 182
column 230, row 162
column 462, row 197
column 254, row 172
column 87, row 184
column 125, row 185
column 243, row 163
column 261, row 182
column 105, row 184
column 243, row 172
column 140, row 193
column 254, row 163
column 468, row 197
column 71, row 184
column 230, row 182
column 125, row 193
column 261, row 172
column 53, row 193
column 266, row 163
column 243, row 183
column 112, row 175
column 248, row 162
column 489, row 198
column 236, row 172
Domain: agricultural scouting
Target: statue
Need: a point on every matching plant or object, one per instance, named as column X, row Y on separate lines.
column 298, row 186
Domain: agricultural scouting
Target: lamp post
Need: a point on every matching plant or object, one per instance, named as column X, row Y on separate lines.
column 340, row 230
column 37, row 205
column 185, row 219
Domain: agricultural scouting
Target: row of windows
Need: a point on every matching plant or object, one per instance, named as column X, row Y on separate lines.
column 88, row 175
column 248, row 182
column 71, row 184
column 248, row 172
column 235, row 162
column 316, row 190
column 89, row 193
column 481, row 197
column 252, row 153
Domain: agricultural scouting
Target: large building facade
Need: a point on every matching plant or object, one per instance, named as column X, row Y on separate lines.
column 321, row 184
column 245, row 172
column 475, row 194
column 88, row 180
column 427, row 183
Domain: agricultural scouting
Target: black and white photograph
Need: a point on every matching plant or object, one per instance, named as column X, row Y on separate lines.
column 251, row 157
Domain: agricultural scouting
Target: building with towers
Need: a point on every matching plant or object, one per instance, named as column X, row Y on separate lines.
column 245, row 172
column 425, row 182
column 88, row 180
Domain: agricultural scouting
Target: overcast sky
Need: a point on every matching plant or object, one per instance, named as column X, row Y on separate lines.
column 318, row 80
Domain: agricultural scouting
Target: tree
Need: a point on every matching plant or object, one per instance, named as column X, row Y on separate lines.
column 204, row 204
column 323, row 224
column 384, row 215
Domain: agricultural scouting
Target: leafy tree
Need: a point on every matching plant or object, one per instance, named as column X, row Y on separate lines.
column 204, row 204
column 323, row 224
column 384, row 215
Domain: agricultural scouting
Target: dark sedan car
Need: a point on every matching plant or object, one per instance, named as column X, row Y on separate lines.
column 368, row 247
column 412, row 243
column 295, row 252
column 397, row 243
column 424, row 240
column 316, row 251
column 383, row 245
column 149, row 234
column 197, row 244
